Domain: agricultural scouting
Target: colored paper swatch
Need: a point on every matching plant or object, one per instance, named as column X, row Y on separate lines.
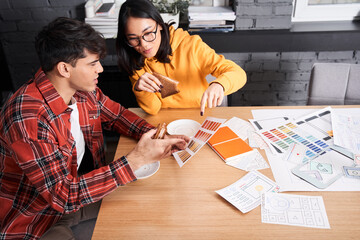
column 222, row 135
column 206, row 131
column 227, row 144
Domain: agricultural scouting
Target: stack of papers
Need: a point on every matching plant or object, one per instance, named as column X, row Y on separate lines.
column 211, row 19
column 105, row 23
column 107, row 26
column 303, row 142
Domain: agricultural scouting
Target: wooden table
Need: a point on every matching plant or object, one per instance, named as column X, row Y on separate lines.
column 181, row 203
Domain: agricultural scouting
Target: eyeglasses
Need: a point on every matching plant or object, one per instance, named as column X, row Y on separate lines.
column 147, row 37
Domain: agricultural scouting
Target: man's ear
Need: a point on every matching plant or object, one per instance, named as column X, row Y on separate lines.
column 63, row 69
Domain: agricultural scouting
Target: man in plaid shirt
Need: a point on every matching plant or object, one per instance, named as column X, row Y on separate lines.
column 52, row 125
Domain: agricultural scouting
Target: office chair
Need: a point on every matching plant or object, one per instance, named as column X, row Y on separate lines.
column 334, row 84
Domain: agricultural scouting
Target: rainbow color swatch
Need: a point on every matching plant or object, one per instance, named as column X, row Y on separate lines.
column 304, row 131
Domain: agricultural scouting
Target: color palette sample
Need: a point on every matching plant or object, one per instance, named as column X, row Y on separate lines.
column 206, row 131
column 227, row 144
column 310, row 131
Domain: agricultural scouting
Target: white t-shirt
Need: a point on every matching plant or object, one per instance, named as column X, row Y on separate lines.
column 76, row 132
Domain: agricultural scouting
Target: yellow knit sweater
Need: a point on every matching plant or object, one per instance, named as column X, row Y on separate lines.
column 191, row 62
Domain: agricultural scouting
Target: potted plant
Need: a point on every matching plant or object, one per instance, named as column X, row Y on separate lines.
column 172, row 10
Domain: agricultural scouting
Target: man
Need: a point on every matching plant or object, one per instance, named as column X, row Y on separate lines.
column 52, row 126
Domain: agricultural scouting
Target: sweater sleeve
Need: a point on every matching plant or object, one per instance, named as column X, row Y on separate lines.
column 149, row 102
column 231, row 76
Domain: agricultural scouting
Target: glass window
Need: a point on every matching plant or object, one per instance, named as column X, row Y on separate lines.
column 325, row 10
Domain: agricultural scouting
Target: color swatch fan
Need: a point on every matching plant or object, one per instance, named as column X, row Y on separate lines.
column 206, row 131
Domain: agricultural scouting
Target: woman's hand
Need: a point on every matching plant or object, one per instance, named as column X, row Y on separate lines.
column 149, row 83
column 213, row 96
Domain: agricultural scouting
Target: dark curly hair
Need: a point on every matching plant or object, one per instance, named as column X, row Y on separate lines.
column 129, row 60
column 64, row 40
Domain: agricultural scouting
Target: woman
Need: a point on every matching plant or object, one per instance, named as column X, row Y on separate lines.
column 145, row 44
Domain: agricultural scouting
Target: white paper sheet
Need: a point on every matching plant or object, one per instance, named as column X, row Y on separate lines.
column 282, row 169
column 273, row 115
column 239, row 126
column 346, row 130
column 289, row 182
column 294, row 210
column 311, row 130
column 294, row 113
column 249, row 161
column 245, row 194
column 255, row 141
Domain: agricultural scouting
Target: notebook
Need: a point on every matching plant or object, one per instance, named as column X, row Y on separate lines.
column 227, row 144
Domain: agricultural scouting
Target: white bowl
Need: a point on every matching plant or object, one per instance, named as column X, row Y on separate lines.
column 186, row 127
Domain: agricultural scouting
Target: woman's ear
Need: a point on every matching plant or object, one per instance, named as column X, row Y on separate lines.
column 63, row 69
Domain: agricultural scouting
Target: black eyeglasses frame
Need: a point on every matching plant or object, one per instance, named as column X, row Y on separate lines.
column 143, row 37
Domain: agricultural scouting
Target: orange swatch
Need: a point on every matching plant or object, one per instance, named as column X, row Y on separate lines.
column 227, row 144
column 223, row 134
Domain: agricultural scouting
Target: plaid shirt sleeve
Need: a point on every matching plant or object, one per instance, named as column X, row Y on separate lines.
column 46, row 167
column 38, row 177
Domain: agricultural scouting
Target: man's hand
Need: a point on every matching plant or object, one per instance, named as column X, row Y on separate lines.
column 149, row 83
column 213, row 97
column 150, row 150
column 178, row 147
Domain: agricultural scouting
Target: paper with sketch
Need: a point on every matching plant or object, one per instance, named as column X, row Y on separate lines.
column 287, row 181
column 324, row 170
column 282, row 169
column 255, row 141
column 206, row 131
column 294, row 210
column 239, row 126
column 346, row 130
column 249, row 161
column 245, row 194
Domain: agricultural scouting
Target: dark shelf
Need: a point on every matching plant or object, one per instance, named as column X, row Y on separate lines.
column 282, row 41
column 303, row 37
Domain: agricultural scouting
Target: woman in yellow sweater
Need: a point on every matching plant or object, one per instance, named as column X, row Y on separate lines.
column 145, row 44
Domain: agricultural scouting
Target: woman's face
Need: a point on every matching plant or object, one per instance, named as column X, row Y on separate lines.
column 142, row 31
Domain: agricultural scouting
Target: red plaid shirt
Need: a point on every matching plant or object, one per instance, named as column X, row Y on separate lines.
column 38, row 161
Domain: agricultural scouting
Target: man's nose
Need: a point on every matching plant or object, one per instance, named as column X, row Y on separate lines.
column 100, row 68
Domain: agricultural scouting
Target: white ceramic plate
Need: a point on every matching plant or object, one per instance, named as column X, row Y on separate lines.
column 186, row 127
column 147, row 170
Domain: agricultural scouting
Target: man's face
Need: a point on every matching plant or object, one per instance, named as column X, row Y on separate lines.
column 84, row 74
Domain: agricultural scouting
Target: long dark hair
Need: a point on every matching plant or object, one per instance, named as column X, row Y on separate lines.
column 129, row 60
column 64, row 40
